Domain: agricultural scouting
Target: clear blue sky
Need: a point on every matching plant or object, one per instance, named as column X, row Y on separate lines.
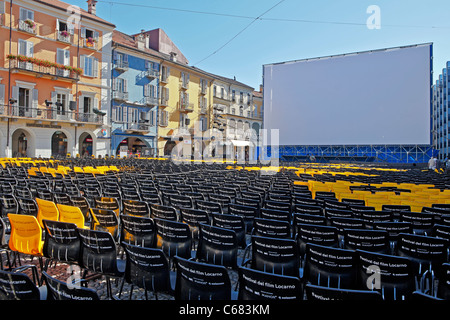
column 222, row 37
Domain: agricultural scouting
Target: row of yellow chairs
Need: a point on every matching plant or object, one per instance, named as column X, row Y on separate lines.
column 27, row 230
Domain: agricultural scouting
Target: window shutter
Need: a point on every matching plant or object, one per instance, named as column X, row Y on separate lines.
column 15, row 93
column 30, row 49
column 57, row 25
column 83, row 62
column 2, row 7
column 114, row 84
column 96, row 104
column 96, row 35
column 167, row 93
column 95, row 68
column 23, row 14
column 83, row 32
column 2, row 94
column 35, row 99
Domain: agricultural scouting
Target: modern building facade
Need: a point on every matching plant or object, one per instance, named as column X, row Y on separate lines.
column 54, row 83
column 440, row 114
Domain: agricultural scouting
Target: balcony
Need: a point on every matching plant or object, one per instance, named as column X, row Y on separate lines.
column 185, row 107
column 50, row 114
column 90, row 43
column 150, row 101
column 184, row 85
column 164, row 102
column 121, row 66
column 120, row 96
column 151, row 73
column 27, row 26
column 137, row 127
column 43, row 70
column 63, row 36
column 203, row 110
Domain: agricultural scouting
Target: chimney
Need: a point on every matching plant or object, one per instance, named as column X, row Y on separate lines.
column 91, row 6
column 261, row 88
column 173, row 56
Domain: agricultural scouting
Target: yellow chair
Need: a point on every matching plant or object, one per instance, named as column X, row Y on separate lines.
column 71, row 214
column 46, row 210
column 26, row 234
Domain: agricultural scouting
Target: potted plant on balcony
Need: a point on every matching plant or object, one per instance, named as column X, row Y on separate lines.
column 90, row 42
column 64, row 33
column 30, row 23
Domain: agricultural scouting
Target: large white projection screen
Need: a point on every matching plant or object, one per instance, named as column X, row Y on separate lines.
column 366, row 98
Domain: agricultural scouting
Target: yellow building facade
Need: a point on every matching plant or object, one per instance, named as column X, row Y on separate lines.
column 184, row 109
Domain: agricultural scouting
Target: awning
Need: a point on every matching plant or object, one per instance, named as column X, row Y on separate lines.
column 240, row 143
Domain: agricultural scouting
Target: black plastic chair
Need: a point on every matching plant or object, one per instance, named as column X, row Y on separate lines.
column 321, row 293
column 330, row 267
column 304, row 218
column 308, row 209
column 274, row 255
column 316, row 234
column 158, row 211
column 422, row 222
column 367, row 240
column 392, row 276
column 427, row 253
column 105, row 220
column 148, row 269
column 63, row 291
column 180, row 201
column 136, row 230
column 201, row 281
column 17, row 285
column 232, row 222
column 209, row 206
column 194, row 217
column 27, row 206
column 82, row 203
column 275, row 214
column 99, row 256
column 248, row 213
column 135, row 208
column 106, row 203
column 62, row 242
column 272, row 228
column 443, row 286
column 217, row 246
column 174, row 238
column 259, row 285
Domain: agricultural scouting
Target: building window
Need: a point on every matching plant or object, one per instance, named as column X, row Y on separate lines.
column 215, row 91
column 61, row 103
column 89, row 66
column 26, row 14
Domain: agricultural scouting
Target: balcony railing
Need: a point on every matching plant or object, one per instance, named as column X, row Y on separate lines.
column 49, row 113
column 164, row 102
column 185, row 107
column 151, row 73
column 120, row 95
column 21, row 66
column 90, row 43
column 63, row 36
column 135, row 126
column 150, row 101
column 121, row 65
column 27, row 26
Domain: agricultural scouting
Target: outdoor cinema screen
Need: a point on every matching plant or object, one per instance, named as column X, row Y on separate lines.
column 365, row 98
